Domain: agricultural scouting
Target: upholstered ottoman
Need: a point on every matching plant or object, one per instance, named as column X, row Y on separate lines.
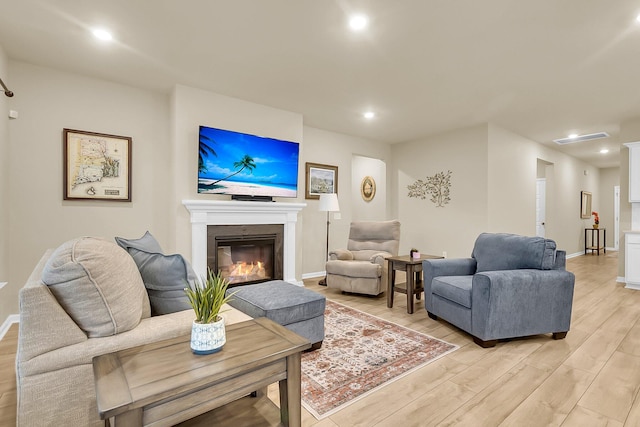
column 294, row 307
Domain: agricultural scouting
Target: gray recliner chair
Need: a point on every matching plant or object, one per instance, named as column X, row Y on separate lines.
column 512, row 286
column 361, row 268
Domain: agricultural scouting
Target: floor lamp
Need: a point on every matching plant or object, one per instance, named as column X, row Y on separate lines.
column 328, row 203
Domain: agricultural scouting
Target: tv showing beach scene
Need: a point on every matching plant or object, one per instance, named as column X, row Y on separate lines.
column 240, row 164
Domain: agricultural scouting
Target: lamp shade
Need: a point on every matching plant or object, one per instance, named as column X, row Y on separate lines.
column 329, row 203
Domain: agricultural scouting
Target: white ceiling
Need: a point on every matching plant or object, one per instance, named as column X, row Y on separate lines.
column 542, row 69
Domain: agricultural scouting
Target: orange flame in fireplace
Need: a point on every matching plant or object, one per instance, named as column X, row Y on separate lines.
column 248, row 271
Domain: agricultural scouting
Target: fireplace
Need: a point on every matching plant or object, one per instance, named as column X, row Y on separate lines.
column 204, row 213
column 246, row 254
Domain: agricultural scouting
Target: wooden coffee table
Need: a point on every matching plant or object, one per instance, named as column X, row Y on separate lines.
column 413, row 286
column 164, row 383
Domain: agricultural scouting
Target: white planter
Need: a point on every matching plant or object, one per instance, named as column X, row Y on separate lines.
column 207, row 338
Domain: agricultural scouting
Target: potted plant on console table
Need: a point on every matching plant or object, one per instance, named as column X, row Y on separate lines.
column 206, row 297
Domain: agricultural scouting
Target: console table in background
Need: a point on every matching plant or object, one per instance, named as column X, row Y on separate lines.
column 593, row 244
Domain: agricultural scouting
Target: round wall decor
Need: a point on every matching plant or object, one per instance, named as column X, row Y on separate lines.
column 368, row 188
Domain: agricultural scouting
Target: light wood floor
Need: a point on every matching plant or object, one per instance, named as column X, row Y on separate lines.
column 591, row 378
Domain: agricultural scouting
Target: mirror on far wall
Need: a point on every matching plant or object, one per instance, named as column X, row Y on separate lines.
column 585, row 204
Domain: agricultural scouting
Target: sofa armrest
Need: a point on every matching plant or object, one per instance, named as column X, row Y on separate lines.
column 149, row 330
column 522, row 302
column 379, row 258
column 432, row 268
column 341, row 254
column 447, row 267
column 561, row 260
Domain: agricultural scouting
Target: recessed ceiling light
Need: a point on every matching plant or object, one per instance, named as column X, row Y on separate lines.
column 369, row 115
column 604, row 151
column 572, row 135
column 102, row 34
column 358, row 22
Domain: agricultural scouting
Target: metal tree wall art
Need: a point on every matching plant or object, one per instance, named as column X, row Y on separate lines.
column 437, row 186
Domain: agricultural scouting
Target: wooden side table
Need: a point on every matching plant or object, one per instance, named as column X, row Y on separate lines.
column 595, row 240
column 413, row 268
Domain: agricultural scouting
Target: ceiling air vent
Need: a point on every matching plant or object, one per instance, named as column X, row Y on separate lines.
column 581, row 138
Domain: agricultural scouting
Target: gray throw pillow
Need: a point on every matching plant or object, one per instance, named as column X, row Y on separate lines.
column 97, row 284
column 146, row 243
column 164, row 276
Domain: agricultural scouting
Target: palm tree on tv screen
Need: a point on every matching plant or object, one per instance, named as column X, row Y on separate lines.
column 204, row 150
column 247, row 162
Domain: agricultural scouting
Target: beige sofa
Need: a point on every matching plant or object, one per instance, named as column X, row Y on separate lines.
column 54, row 371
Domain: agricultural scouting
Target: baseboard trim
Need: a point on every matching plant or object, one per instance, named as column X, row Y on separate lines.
column 13, row 318
column 576, row 254
column 314, row 275
column 621, row 279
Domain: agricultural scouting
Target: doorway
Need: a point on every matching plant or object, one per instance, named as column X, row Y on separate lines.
column 616, row 217
column 541, row 206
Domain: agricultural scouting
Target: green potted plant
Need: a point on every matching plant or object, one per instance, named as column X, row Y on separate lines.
column 206, row 297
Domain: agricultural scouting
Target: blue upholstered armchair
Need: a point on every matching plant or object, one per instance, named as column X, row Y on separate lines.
column 512, row 286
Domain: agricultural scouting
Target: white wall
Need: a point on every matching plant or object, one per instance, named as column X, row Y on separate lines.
column 493, row 188
column 454, row 227
column 337, row 149
column 194, row 107
column 48, row 101
column 375, row 209
column 513, row 172
column 164, row 161
column 609, row 178
column 164, row 130
column 6, row 302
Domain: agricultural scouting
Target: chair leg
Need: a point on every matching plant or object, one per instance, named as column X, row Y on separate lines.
column 431, row 315
column 485, row 344
column 559, row 335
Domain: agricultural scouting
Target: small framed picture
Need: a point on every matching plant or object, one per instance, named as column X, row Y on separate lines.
column 320, row 179
column 368, row 188
column 97, row 166
column 585, row 204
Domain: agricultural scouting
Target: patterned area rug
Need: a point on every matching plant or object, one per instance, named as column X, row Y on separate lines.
column 360, row 354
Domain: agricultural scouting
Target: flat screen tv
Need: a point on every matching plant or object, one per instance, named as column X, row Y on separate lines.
column 246, row 166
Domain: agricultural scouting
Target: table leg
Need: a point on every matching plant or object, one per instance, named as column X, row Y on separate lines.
column 391, row 277
column 291, row 394
column 410, row 284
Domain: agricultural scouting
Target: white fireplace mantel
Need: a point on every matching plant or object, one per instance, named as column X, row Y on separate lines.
column 222, row 212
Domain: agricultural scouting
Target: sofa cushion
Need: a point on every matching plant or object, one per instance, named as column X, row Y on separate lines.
column 501, row 251
column 164, row 276
column 453, row 288
column 98, row 285
column 365, row 269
